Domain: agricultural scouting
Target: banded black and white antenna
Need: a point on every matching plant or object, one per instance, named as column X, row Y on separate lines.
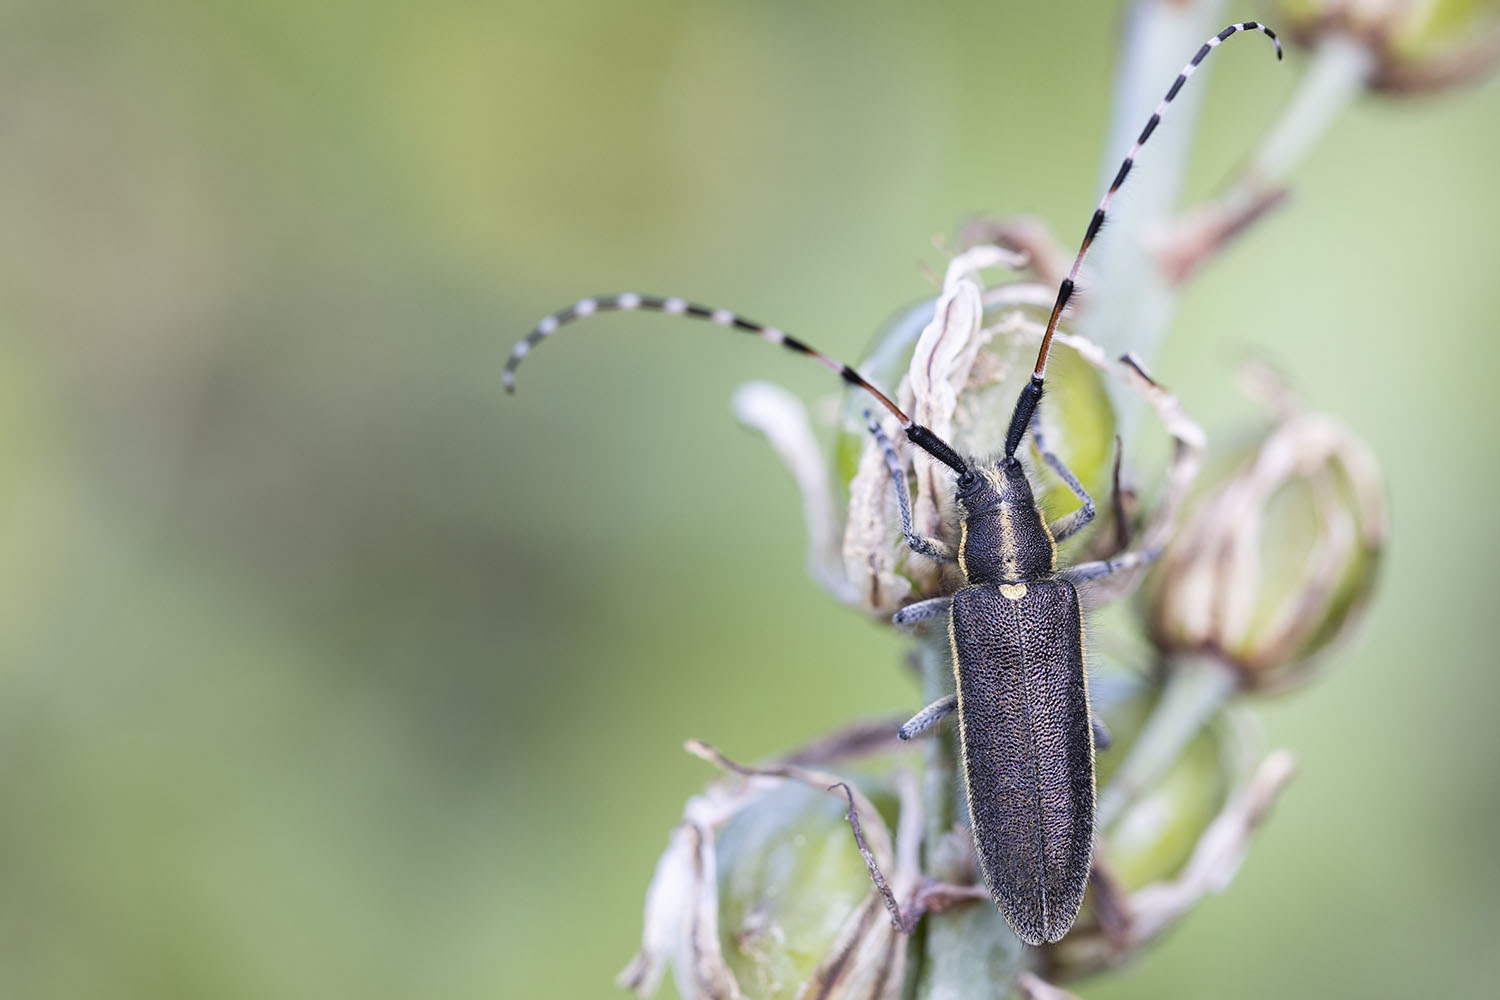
column 630, row 301
column 1032, row 394
column 919, row 435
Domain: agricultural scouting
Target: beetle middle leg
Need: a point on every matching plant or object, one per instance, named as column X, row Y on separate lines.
column 1104, row 567
column 908, row 617
column 944, row 707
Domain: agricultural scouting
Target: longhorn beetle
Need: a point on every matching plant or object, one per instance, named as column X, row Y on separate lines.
column 1014, row 627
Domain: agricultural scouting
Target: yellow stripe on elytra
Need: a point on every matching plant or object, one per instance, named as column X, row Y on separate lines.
column 963, row 748
column 1088, row 707
column 963, row 737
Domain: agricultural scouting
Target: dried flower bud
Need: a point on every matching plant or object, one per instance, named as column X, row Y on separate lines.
column 1417, row 47
column 766, row 891
column 960, row 366
column 762, row 892
column 1278, row 561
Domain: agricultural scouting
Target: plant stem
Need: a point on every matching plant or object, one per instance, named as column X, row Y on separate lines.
column 1339, row 71
column 968, row 952
column 1140, row 294
column 1131, row 303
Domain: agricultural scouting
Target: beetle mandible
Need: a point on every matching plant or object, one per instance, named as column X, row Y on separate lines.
column 1015, row 626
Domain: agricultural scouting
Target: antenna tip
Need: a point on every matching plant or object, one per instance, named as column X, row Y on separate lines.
column 508, row 379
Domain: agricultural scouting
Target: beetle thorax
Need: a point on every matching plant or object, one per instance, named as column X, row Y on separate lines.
column 1005, row 539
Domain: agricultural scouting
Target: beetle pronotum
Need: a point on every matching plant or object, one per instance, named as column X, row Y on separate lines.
column 1015, row 626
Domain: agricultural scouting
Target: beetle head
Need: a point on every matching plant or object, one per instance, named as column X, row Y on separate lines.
column 1005, row 539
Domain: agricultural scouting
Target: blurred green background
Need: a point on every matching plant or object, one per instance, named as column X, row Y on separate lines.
column 330, row 671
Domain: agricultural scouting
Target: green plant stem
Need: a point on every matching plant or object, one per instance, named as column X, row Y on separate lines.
column 1195, row 689
column 1130, row 303
column 968, row 951
column 1338, row 73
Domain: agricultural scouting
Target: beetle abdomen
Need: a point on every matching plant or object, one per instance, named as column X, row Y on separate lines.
column 1028, row 748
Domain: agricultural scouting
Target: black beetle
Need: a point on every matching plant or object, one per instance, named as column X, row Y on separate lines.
column 1015, row 626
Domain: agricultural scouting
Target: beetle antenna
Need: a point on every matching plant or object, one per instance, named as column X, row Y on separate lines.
column 629, row 301
column 1032, row 394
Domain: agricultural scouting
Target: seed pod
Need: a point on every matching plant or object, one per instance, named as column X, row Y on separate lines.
column 1277, row 562
column 1416, row 47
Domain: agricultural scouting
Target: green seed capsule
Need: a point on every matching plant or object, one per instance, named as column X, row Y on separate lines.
column 1413, row 47
column 762, row 893
column 1277, row 561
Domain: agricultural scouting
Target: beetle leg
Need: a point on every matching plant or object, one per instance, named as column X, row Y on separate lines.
column 929, row 717
column 1104, row 567
column 1071, row 523
column 1102, row 739
column 932, row 548
column 907, row 618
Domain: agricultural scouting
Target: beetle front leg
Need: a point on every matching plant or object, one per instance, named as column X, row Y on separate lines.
column 1072, row 523
column 932, row 548
column 910, row 616
column 928, row 717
